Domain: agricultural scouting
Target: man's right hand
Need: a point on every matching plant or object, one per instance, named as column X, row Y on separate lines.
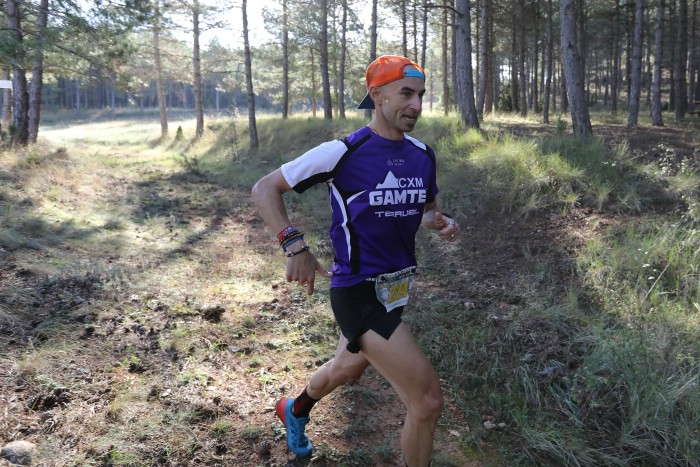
column 302, row 268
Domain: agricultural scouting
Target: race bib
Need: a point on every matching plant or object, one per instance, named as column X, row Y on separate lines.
column 393, row 288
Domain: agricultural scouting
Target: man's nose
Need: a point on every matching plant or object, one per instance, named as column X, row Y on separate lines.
column 416, row 102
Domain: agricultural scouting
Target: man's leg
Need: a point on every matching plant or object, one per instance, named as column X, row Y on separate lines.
column 408, row 370
column 344, row 368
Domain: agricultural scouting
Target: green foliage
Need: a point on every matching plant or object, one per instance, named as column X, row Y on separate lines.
column 645, row 267
column 190, row 163
column 504, row 99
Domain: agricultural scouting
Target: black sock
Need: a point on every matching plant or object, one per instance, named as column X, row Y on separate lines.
column 303, row 404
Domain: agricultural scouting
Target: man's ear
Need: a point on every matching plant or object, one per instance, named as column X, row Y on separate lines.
column 375, row 93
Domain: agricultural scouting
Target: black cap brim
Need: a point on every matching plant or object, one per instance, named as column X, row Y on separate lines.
column 367, row 103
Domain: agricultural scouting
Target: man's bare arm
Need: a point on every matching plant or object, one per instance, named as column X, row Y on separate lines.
column 267, row 197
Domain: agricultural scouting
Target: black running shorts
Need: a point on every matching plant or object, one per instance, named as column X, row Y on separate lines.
column 357, row 310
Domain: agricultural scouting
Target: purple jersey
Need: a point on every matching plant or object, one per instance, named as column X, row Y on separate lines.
column 378, row 188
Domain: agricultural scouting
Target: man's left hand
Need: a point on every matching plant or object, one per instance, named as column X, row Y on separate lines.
column 449, row 229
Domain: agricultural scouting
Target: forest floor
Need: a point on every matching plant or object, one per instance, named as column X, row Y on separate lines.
column 159, row 330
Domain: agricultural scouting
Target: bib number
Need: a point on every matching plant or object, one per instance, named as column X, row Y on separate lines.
column 393, row 288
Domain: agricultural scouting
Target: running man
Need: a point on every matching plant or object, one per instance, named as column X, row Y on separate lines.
column 382, row 188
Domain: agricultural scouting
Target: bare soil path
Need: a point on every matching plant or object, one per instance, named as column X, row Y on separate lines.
column 163, row 333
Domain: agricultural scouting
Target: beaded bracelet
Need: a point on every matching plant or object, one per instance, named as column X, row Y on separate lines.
column 286, row 231
column 288, row 236
column 292, row 236
column 301, row 250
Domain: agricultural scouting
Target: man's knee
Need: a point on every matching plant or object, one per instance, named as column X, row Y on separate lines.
column 345, row 374
column 340, row 373
column 434, row 403
column 429, row 406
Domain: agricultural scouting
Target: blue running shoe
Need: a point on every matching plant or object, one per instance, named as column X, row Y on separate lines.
column 297, row 441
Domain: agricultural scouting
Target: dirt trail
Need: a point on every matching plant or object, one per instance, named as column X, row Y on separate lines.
column 169, row 341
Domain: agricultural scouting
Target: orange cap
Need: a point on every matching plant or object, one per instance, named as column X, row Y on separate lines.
column 386, row 69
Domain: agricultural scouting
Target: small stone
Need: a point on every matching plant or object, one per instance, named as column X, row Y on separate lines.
column 18, row 452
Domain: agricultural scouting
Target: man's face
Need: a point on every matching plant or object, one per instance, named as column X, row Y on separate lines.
column 402, row 102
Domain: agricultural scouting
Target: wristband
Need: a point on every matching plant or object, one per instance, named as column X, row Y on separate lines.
column 285, row 232
column 288, row 236
column 301, row 250
column 289, row 243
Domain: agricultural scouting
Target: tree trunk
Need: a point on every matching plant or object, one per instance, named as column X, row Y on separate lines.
column 404, row 28
column 6, row 119
column 414, row 12
column 647, row 78
column 464, row 78
column 252, row 126
column 550, row 61
column 197, row 65
column 445, row 61
column 636, row 71
column 113, row 92
column 572, row 70
column 581, row 37
column 485, row 60
column 285, row 60
column 680, row 61
column 424, row 37
column 606, row 66
column 372, row 45
column 37, row 82
column 522, row 88
column 656, row 116
column 341, row 71
column 314, row 83
column 160, row 88
column 694, row 58
column 325, row 78
column 20, row 96
column 493, row 85
column 514, row 83
column 78, row 96
column 671, row 45
column 555, row 83
column 536, row 54
column 615, row 75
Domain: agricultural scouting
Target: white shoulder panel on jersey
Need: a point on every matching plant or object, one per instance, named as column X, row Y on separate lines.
column 415, row 141
column 321, row 159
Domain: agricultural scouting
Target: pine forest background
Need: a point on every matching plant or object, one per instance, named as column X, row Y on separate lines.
column 538, row 57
